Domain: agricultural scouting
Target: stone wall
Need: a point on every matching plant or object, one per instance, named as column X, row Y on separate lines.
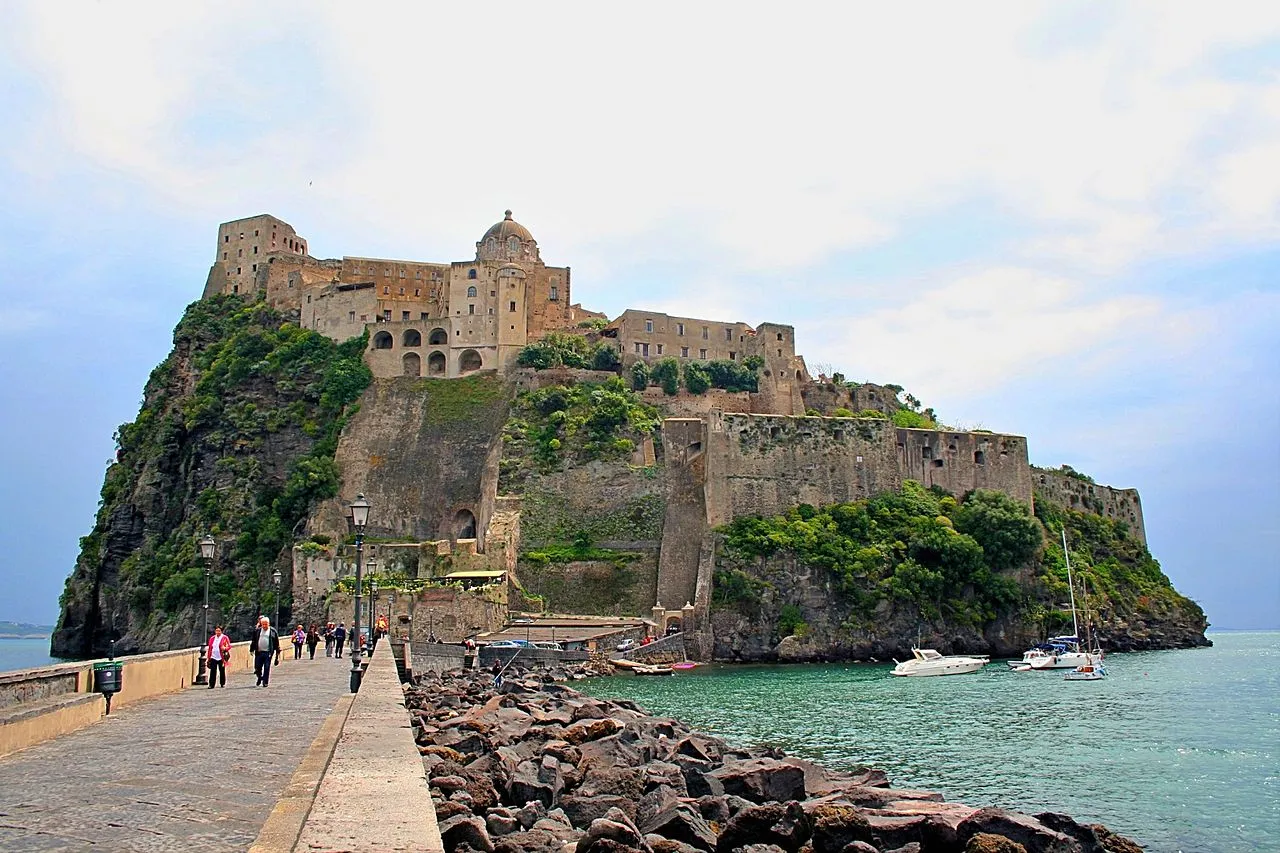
column 690, row 490
column 595, row 587
column 826, row 396
column 1119, row 504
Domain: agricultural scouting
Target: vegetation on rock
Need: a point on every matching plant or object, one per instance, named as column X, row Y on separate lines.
column 235, row 437
column 560, row 425
column 558, row 349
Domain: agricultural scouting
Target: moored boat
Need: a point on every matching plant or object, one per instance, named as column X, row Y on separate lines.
column 931, row 662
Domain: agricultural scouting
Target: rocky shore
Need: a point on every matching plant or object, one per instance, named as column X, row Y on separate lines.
column 534, row 765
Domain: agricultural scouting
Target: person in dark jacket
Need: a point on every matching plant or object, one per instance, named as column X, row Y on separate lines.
column 339, row 637
column 313, row 640
column 265, row 645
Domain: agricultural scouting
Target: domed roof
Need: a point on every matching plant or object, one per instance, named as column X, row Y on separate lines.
column 508, row 227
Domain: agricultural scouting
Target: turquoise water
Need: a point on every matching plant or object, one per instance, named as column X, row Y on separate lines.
column 20, row 654
column 1178, row 750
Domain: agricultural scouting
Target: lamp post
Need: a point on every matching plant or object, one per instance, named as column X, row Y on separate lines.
column 359, row 518
column 373, row 611
column 207, row 547
column 275, row 576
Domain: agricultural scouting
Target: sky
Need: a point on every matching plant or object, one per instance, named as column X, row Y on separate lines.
column 1059, row 220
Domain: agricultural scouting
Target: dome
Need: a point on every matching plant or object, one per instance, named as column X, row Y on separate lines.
column 508, row 227
column 508, row 241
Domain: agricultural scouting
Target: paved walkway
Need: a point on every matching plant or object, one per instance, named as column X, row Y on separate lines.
column 197, row 771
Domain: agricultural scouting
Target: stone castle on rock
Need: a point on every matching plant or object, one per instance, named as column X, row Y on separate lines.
column 723, row 454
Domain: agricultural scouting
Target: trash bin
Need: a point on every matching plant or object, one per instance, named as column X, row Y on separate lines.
column 108, row 679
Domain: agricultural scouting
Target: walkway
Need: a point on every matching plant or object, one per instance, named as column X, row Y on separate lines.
column 197, row 771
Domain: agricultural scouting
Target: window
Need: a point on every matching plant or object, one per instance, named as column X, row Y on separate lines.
column 241, row 235
column 351, row 316
column 728, row 334
column 471, row 309
column 702, row 354
column 659, row 349
column 706, row 332
column 471, row 292
column 404, row 315
column 422, row 316
column 637, row 347
column 512, row 306
column 779, row 335
column 471, row 273
column 493, row 293
column 417, row 291
column 382, row 340
column 386, row 314
column 402, row 291
column 418, row 274
column 402, row 273
column 648, row 325
column 255, row 250
column 680, row 329
column 224, row 256
column 386, row 290
column 386, row 272
column 255, row 267
column 555, row 293
column 238, row 270
column 684, row 352
column 255, row 232
column 226, row 238
column 239, row 253
column 733, row 356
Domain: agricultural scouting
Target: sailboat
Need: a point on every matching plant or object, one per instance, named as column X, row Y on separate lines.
column 1092, row 669
column 1060, row 652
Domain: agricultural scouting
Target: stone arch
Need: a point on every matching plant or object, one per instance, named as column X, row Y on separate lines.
column 470, row 361
column 436, row 364
column 438, row 336
column 412, row 364
column 464, row 524
column 382, row 340
column 412, row 338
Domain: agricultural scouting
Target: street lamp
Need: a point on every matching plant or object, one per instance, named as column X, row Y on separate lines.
column 275, row 576
column 207, row 548
column 359, row 518
column 373, row 609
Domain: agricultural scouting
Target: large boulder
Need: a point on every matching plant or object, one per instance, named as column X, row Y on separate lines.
column 613, row 832
column 761, row 780
column 786, row 826
column 583, row 810
column 985, row 842
column 1027, row 831
column 465, row 829
column 835, row 826
column 1093, row 837
column 681, row 822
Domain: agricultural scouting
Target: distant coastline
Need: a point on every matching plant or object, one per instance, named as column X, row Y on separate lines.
column 24, row 631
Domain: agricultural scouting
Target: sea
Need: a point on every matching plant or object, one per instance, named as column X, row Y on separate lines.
column 25, row 653
column 1178, row 750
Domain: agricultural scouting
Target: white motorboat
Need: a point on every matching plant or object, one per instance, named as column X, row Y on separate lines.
column 1087, row 672
column 930, row 662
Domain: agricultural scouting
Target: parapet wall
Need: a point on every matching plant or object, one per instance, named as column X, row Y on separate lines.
column 1120, row 504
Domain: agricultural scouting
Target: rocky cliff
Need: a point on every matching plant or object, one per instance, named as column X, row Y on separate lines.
column 235, row 437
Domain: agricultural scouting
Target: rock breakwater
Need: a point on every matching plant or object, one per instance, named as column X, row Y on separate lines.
column 533, row 765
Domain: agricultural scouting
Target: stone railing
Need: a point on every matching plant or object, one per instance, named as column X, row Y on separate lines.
column 664, row 650
column 365, row 754
column 41, row 703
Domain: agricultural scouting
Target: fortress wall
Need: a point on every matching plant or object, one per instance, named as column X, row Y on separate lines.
column 764, row 465
column 338, row 312
column 1120, row 504
column 685, row 522
column 285, row 277
column 828, row 396
column 963, row 461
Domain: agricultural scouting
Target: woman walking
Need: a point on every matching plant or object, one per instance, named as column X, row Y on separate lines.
column 313, row 640
column 299, row 637
column 328, row 640
column 218, row 654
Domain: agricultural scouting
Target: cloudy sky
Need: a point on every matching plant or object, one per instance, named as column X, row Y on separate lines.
column 1053, row 219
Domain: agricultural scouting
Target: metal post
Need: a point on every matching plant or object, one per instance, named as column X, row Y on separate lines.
column 356, row 673
column 276, row 577
column 202, row 674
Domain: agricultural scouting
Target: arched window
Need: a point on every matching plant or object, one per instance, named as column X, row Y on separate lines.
column 470, row 361
column 412, row 338
column 471, row 273
column 438, row 336
column 412, row 364
column 464, row 524
column 436, row 364
column 471, row 292
column 513, row 246
column 382, row 340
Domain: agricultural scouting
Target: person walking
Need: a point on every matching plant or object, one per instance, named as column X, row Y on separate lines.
column 218, row 653
column 299, row 637
column 313, row 640
column 264, row 645
column 328, row 640
column 339, row 637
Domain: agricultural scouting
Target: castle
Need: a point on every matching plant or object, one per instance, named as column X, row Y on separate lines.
column 725, row 454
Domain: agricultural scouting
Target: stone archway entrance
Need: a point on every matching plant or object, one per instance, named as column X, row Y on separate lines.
column 412, row 364
column 464, row 525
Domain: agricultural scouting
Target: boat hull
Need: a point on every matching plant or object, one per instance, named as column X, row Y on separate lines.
column 928, row 668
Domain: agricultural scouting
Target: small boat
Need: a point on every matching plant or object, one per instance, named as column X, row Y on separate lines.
column 1087, row 672
column 686, row 664
column 1068, row 652
column 931, row 662
column 654, row 670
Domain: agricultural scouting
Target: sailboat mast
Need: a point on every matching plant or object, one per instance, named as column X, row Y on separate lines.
column 1071, row 587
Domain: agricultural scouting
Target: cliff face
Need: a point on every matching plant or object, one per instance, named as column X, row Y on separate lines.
column 871, row 580
column 235, row 438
